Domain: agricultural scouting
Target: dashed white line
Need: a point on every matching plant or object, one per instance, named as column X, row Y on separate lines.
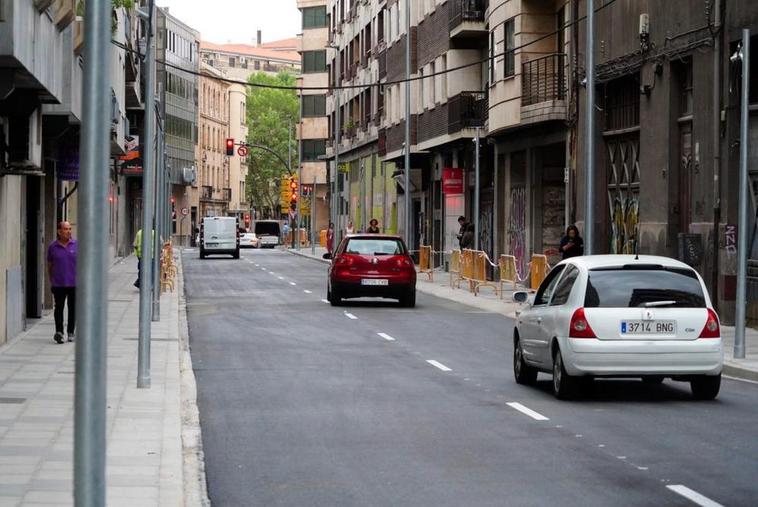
column 693, row 496
column 350, row 316
column 308, row 291
column 527, row 411
column 386, row 337
column 325, row 301
column 439, row 365
column 293, row 283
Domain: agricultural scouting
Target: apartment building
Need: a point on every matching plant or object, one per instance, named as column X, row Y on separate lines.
column 365, row 187
column 212, row 193
column 178, row 44
column 41, row 59
column 528, row 77
column 313, row 130
column 240, row 61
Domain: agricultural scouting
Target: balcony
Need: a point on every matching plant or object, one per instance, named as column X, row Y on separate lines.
column 543, row 89
column 226, row 194
column 467, row 19
column 466, row 110
column 206, row 193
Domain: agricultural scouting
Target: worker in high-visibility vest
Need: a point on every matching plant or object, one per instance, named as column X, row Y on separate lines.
column 138, row 252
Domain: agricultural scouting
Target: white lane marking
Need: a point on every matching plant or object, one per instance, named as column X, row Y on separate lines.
column 350, row 316
column 386, row 337
column 325, row 301
column 694, row 496
column 293, row 283
column 263, row 269
column 257, row 265
column 280, row 277
column 527, row 411
column 439, row 365
column 308, row 291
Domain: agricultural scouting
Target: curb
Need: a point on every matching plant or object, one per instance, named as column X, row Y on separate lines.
column 739, row 372
column 195, row 483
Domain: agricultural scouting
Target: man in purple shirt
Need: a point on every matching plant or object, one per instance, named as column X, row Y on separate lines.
column 61, row 265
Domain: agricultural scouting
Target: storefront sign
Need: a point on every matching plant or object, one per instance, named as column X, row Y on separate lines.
column 68, row 168
column 452, row 180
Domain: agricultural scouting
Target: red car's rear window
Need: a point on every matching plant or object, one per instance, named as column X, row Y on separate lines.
column 374, row 246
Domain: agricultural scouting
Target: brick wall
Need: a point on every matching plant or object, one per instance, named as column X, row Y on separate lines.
column 433, row 36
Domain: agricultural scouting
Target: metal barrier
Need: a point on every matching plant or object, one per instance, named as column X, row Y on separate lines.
column 168, row 268
column 539, row 269
column 322, row 238
column 455, row 268
column 425, row 262
column 479, row 275
column 508, row 272
column 467, row 267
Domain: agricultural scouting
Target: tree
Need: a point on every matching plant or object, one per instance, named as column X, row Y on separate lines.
column 270, row 112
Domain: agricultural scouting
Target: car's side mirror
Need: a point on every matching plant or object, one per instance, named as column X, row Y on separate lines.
column 521, row 297
column 327, row 255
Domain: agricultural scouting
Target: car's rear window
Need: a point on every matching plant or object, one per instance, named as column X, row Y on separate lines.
column 365, row 246
column 629, row 288
column 263, row 228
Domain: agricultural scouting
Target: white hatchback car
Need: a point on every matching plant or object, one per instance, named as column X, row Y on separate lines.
column 619, row 316
column 249, row 240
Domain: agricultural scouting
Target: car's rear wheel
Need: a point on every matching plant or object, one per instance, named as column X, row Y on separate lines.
column 564, row 385
column 236, row 254
column 334, row 297
column 706, row 387
column 202, row 253
column 409, row 298
column 524, row 374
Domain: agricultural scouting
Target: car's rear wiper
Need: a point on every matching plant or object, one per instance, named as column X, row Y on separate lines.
column 658, row 303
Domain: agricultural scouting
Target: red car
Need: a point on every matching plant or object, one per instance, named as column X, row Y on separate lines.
column 372, row 265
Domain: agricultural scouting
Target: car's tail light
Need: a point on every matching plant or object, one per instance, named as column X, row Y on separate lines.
column 404, row 262
column 579, row 327
column 712, row 328
column 344, row 260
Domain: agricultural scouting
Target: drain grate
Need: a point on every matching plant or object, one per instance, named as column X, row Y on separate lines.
column 12, row 401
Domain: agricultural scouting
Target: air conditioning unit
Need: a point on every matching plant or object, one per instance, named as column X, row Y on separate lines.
column 189, row 175
column 25, row 141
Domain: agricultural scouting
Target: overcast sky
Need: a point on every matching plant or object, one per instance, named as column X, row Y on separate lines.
column 223, row 21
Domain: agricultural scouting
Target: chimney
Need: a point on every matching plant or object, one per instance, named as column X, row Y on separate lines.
column 258, row 39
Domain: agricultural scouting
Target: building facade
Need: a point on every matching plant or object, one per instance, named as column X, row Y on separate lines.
column 178, row 45
column 313, row 130
column 240, row 61
column 41, row 50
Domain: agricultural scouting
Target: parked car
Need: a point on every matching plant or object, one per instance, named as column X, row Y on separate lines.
column 249, row 240
column 268, row 233
column 372, row 265
column 619, row 316
column 219, row 235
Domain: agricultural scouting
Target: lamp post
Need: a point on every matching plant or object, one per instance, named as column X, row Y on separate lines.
column 407, row 183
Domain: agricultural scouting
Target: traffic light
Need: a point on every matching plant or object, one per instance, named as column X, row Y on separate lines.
column 293, row 189
column 230, row 147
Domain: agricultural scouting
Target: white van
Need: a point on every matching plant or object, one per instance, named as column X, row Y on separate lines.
column 219, row 235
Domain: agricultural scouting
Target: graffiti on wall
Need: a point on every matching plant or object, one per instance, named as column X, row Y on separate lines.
column 517, row 228
column 623, row 194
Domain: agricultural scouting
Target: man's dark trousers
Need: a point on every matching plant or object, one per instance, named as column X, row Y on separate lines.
column 61, row 295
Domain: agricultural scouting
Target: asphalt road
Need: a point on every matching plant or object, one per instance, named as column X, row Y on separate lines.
column 305, row 404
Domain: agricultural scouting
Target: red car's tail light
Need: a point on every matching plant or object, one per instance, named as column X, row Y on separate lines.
column 404, row 262
column 712, row 328
column 579, row 327
column 344, row 260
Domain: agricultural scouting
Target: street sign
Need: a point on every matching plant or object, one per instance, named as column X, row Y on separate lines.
column 242, row 151
column 185, row 212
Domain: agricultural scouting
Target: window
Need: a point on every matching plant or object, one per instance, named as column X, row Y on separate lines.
column 422, row 89
column 509, row 61
column 432, row 91
column 314, row 17
column 231, row 61
column 492, row 58
column 548, row 286
column 374, row 247
column 634, row 286
column 314, row 106
column 313, row 149
column 314, row 61
column 563, row 290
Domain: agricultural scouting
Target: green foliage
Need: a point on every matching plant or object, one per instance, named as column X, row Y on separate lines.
column 269, row 113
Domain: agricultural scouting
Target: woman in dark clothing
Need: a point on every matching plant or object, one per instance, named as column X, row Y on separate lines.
column 467, row 240
column 572, row 244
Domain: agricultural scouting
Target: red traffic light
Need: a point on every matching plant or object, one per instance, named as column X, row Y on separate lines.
column 293, row 185
column 230, row 147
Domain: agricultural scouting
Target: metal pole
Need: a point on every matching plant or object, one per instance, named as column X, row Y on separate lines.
column 157, row 219
column 337, row 132
column 148, row 182
column 407, row 181
column 92, row 278
column 476, row 190
column 299, row 173
column 314, row 207
column 589, row 170
column 289, row 170
column 742, row 241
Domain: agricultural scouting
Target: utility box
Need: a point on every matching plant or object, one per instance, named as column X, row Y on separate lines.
column 690, row 249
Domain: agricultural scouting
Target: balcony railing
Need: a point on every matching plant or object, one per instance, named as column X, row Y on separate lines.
column 467, row 110
column 206, row 192
column 462, row 11
column 226, row 194
column 543, row 79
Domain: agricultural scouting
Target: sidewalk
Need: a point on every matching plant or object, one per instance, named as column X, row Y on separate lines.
column 144, row 426
column 486, row 300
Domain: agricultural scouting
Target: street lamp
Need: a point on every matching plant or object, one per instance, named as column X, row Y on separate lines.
column 337, row 128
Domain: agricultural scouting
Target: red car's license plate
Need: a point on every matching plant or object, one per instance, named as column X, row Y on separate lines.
column 374, row 281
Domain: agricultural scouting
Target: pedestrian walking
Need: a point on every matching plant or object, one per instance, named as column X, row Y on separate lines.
column 61, row 266
column 138, row 253
column 572, row 244
column 373, row 226
column 461, row 231
column 350, row 229
column 330, row 238
column 467, row 239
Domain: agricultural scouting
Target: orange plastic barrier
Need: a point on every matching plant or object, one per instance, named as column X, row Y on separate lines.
column 508, row 272
column 539, row 269
column 425, row 262
column 455, row 268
